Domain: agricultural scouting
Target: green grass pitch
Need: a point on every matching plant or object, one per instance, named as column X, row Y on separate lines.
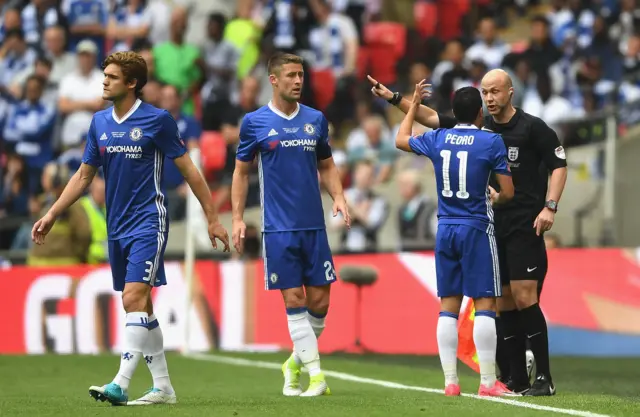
column 362, row 386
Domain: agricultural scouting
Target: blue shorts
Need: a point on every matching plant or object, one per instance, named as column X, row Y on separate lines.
column 466, row 262
column 296, row 259
column 138, row 258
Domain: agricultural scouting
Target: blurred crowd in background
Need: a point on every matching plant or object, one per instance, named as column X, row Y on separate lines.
column 207, row 66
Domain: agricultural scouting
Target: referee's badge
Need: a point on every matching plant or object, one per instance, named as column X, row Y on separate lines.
column 512, row 153
column 309, row 129
column 135, row 134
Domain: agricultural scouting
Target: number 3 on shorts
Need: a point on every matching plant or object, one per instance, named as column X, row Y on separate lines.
column 148, row 271
column 329, row 272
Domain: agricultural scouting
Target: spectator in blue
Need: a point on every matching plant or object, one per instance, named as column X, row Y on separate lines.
column 14, row 197
column 72, row 157
column 29, row 130
column 15, row 56
column 87, row 19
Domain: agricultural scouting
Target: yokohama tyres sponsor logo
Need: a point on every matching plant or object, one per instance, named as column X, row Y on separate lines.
column 127, row 149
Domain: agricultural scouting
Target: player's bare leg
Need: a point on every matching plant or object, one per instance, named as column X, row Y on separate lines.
column 162, row 391
column 447, row 335
column 134, row 299
column 534, row 324
column 305, row 345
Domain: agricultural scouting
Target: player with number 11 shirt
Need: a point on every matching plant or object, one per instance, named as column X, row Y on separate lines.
column 464, row 158
column 539, row 168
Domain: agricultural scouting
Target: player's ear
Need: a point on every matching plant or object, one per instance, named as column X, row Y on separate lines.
column 132, row 83
column 510, row 92
column 273, row 79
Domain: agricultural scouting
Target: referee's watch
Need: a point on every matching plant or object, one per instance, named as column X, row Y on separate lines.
column 552, row 205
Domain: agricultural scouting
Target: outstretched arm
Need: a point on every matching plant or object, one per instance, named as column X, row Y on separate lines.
column 426, row 116
column 406, row 127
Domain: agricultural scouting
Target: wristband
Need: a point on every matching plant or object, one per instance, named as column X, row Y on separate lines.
column 396, row 99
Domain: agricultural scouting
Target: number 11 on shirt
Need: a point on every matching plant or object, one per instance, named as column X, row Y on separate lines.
column 462, row 174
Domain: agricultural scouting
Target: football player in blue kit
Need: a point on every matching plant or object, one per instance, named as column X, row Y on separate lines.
column 464, row 158
column 130, row 141
column 290, row 141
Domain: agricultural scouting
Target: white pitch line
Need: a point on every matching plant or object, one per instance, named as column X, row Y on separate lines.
column 388, row 384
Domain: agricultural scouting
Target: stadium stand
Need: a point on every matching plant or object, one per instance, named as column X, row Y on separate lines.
column 570, row 60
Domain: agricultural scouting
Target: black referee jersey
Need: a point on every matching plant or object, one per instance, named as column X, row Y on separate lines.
column 533, row 150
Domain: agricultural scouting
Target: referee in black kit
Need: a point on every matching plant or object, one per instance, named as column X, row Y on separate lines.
column 533, row 149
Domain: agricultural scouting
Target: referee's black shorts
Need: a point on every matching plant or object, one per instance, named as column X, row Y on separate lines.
column 522, row 254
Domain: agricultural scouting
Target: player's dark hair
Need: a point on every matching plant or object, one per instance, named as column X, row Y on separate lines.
column 133, row 67
column 467, row 103
column 279, row 59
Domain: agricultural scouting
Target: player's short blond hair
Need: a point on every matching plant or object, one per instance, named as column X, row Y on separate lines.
column 133, row 67
column 279, row 59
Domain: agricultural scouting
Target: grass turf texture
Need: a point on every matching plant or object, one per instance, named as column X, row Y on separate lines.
column 52, row 385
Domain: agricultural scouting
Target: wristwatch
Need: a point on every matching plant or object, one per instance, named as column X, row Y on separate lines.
column 551, row 205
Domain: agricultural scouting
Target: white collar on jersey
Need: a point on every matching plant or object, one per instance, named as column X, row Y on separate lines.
column 284, row 116
column 129, row 113
column 465, row 126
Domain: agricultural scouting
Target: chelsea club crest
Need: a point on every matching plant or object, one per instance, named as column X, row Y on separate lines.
column 309, row 129
column 135, row 134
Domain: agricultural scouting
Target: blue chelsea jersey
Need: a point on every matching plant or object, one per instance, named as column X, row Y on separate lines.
column 463, row 160
column 288, row 148
column 131, row 152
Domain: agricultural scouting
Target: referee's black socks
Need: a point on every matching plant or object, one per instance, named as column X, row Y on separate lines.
column 535, row 326
column 502, row 355
column 514, row 347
